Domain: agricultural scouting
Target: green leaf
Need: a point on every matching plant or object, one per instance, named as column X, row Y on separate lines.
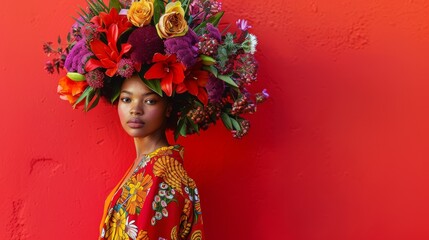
column 227, row 79
column 103, row 5
column 235, row 124
column 95, row 102
column 115, row 95
column 154, row 85
column 115, row 4
column 84, row 94
column 88, row 99
column 211, row 69
column 226, row 121
column 213, row 20
column 158, row 10
column 180, row 128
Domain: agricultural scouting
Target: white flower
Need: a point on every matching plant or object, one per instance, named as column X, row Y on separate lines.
column 253, row 43
column 131, row 229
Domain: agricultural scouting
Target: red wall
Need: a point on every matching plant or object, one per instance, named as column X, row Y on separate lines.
column 340, row 151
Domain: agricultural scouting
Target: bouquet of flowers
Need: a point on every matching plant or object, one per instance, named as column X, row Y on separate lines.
column 175, row 47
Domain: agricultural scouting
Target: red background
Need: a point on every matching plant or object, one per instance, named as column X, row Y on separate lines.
column 340, row 151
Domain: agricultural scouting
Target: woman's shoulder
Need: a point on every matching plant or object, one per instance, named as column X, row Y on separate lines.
column 173, row 151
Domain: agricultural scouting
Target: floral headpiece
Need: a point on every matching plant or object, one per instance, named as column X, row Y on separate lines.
column 175, row 47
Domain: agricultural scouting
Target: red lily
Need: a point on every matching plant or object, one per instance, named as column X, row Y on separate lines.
column 168, row 69
column 104, row 20
column 108, row 55
column 195, row 82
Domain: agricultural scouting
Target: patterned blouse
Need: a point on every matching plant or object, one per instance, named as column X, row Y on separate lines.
column 159, row 201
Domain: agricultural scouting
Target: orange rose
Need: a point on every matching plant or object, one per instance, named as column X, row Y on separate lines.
column 172, row 23
column 140, row 13
column 70, row 90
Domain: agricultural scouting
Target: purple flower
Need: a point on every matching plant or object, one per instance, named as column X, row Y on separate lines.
column 213, row 32
column 200, row 8
column 95, row 78
column 125, row 67
column 77, row 58
column 215, row 88
column 243, row 25
column 184, row 47
column 146, row 43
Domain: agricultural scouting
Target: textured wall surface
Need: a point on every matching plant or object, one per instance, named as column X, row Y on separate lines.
column 340, row 151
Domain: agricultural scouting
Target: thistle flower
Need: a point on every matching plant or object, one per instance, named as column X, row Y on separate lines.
column 125, row 67
column 95, row 78
column 146, row 43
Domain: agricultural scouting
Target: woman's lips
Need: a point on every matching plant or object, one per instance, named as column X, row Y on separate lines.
column 135, row 123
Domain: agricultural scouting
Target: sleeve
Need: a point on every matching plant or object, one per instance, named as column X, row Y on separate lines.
column 177, row 203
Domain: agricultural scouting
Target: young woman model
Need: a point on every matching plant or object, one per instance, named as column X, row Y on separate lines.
column 156, row 199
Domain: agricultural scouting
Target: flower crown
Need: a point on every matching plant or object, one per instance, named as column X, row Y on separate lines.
column 175, row 47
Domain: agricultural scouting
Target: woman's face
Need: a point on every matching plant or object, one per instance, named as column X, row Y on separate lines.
column 141, row 111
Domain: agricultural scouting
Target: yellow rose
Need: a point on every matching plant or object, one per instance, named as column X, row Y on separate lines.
column 172, row 23
column 140, row 13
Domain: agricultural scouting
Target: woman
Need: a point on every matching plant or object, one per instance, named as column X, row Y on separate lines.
column 177, row 49
column 156, row 199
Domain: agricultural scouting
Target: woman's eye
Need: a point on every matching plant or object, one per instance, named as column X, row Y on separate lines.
column 150, row 101
column 125, row 100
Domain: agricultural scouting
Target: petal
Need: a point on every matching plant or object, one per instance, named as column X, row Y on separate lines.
column 156, row 71
column 111, row 71
column 92, row 64
column 202, row 78
column 158, row 57
column 192, row 87
column 167, row 84
column 178, row 73
column 202, row 96
column 181, row 88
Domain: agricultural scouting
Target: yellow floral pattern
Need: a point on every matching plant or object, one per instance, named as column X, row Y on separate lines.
column 158, row 201
column 134, row 192
column 116, row 230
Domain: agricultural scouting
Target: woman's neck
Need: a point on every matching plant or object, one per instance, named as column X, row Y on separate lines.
column 149, row 144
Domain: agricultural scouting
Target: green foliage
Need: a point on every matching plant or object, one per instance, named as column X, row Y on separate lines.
column 158, row 9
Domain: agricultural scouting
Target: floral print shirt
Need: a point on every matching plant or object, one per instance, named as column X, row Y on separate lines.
column 159, row 201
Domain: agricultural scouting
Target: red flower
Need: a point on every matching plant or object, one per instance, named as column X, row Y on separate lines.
column 70, row 90
column 195, row 82
column 168, row 69
column 108, row 55
column 104, row 20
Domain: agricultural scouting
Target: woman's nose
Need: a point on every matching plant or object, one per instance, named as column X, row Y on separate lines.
column 136, row 109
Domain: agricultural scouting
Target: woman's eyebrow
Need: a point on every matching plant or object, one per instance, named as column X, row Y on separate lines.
column 144, row 94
